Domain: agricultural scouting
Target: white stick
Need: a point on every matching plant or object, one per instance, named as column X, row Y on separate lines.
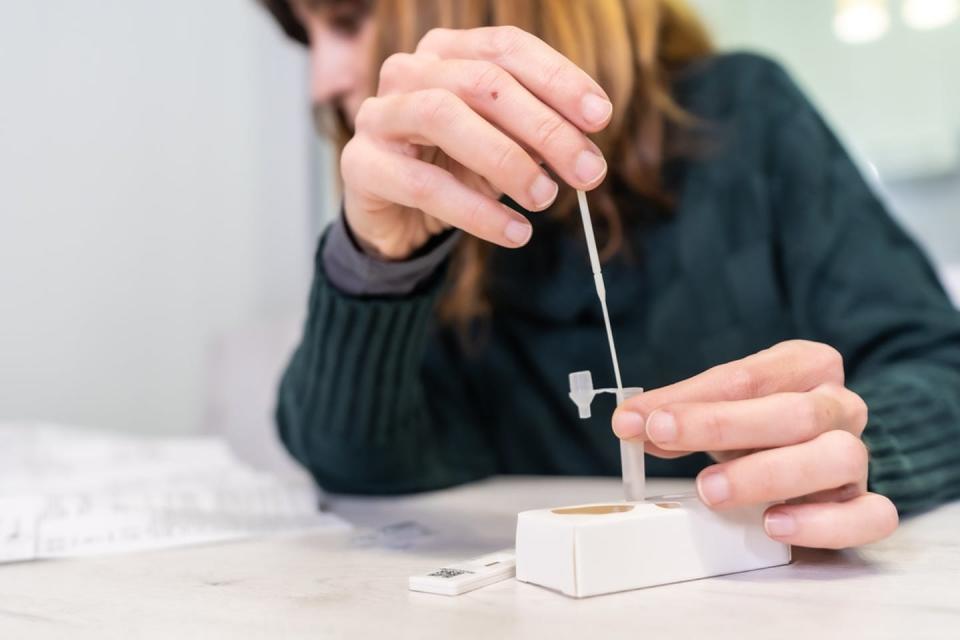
column 601, row 289
column 631, row 452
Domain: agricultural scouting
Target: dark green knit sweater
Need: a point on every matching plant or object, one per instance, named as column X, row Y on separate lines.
column 775, row 236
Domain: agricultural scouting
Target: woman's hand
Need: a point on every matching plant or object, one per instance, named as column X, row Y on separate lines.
column 466, row 118
column 783, row 428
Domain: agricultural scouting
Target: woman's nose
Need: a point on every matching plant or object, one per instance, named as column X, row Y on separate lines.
column 332, row 70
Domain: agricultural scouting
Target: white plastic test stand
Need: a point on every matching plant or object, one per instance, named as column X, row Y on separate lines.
column 588, row 550
column 592, row 549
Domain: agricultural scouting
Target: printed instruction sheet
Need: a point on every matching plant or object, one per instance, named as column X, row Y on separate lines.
column 71, row 491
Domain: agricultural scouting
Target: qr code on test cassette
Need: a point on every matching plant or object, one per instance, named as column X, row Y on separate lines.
column 448, row 573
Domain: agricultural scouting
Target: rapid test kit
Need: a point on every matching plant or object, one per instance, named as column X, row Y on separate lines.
column 593, row 549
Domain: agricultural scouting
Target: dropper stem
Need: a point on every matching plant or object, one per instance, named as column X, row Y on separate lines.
column 601, row 289
column 613, row 349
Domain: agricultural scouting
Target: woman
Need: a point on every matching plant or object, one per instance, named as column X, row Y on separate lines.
column 754, row 281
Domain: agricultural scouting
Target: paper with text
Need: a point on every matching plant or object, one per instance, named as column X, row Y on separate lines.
column 69, row 491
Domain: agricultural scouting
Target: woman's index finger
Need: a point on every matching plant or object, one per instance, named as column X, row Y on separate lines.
column 788, row 366
column 543, row 70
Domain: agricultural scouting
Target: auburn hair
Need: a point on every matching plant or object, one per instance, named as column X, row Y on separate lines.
column 633, row 48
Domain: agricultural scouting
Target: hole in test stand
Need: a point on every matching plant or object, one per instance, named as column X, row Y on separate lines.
column 669, row 505
column 594, row 510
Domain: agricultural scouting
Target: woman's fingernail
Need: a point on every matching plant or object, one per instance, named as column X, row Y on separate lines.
column 596, row 110
column 518, row 232
column 661, row 427
column 627, row 424
column 543, row 191
column 779, row 524
column 713, row 487
column 590, row 166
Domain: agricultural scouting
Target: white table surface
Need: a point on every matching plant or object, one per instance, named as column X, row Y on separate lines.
column 355, row 585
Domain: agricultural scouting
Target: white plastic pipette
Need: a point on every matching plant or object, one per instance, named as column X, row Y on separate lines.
column 631, row 451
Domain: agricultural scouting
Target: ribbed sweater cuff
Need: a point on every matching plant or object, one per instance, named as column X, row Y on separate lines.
column 354, row 272
column 913, row 434
column 356, row 377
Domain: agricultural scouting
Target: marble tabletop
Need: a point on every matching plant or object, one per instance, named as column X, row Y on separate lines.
column 353, row 585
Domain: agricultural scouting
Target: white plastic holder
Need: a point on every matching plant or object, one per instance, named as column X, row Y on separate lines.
column 589, row 550
column 631, row 451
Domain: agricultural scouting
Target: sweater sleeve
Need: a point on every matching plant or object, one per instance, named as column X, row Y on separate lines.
column 858, row 282
column 354, row 407
column 354, row 272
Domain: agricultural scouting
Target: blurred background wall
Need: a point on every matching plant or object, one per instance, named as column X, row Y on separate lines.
column 885, row 74
column 155, row 192
column 161, row 191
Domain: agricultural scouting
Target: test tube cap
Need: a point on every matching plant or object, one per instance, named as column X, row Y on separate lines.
column 581, row 391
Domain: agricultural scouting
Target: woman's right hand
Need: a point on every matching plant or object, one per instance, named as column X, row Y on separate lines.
column 465, row 119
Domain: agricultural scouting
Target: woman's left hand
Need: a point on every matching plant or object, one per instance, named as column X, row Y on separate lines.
column 783, row 427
